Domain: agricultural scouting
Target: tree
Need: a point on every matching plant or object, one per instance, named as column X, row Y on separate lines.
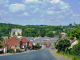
column 50, row 34
column 37, row 46
column 70, row 25
column 38, row 33
column 1, row 38
column 1, row 46
column 76, row 49
column 62, row 45
column 74, row 33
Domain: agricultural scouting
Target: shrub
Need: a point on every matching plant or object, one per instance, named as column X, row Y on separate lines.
column 36, row 48
column 17, row 51
column 1, row 46
column 30, row 47
column 76, row 49
column 10, row 51
column 66, row 50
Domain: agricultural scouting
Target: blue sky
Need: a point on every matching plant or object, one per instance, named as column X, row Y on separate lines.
column 40, row 12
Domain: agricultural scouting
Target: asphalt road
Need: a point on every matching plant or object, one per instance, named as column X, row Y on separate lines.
column 43, row 54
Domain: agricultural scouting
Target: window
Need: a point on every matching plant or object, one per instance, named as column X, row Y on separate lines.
column 12, row 47
column 16, row 45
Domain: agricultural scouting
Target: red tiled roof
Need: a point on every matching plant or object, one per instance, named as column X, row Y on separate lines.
column 23, row 44
column 24, row 39
column 12, row 42
column 30, row 42
column 72, row 41
column 48, row 43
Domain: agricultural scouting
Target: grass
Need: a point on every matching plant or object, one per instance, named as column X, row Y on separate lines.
column 73, row 57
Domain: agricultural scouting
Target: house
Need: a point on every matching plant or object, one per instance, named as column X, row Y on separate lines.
column 5, row 37
column 13, row 43
column 16, row 32
column 73, row 42
column 63, row 34
column 48, row 44
column 54, row 31
column 4, row 49
column 30, row 43
column 24, row 42
column 16, row 43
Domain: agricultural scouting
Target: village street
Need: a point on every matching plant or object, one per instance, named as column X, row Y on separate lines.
column 43, row 54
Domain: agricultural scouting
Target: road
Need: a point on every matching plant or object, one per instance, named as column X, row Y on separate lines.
column 43, row 54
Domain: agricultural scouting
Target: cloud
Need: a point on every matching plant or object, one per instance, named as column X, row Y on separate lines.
column 30, row 0
column 51, row 12
column 60, row 16
column 40, row 12
column 37, row 9
column 55, row 1
column 3, row 13
column 16, row 7
column 4, row 1
column 6, row 5
column 25, row 14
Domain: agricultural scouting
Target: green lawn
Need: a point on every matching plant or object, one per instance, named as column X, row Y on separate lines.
column 69, row 56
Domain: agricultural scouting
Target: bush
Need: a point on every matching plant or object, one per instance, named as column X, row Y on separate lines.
column 66, row 50
column 30, row 47
column 17, row 51
column 1, row 46
column 74, row 58
column 35, row 48
column 76, row 49
column 10, row 50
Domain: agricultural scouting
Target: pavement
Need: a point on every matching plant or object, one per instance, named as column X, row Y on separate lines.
column 59, row 57
column 43, row 54
column 5, row 54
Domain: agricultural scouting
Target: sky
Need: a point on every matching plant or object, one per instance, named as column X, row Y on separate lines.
column 40, row 12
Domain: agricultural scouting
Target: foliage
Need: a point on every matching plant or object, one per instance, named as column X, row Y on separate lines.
column 29, row 47
column 50, row 34
column 37, row 46
column 1, row 38
column 62, row 45
column 46, row 42
column 74, row 33
column 1, row 46
column 72, row 57
column 10, row 51
column 76, row 49
column 29, row 30
column 17, row 51
column 0, row 42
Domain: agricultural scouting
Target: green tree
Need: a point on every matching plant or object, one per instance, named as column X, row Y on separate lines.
column 74, row 33
column 62, row 45
column 76, row 49
column 37, row 46
column 1, row 46
column 50, row 34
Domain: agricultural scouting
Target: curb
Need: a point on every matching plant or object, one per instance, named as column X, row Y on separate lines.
column 54, row 55
column 15, row 53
